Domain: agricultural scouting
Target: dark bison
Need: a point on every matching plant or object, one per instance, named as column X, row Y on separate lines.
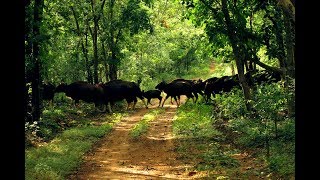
column 175, row 89
column 82, row 90
column 151, row 94
column 197, row 86
column 211, row 87
column 216, row 85
column 117, row 90
column 47, row 92
column 267, row 77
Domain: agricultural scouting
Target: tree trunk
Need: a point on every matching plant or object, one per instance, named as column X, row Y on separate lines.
column 83, row 47
column 94, row 35
column 36, row 77
column 113, row 67
column 232, row 69
column 112, row 45
column 289, row 29
column 279, row 39
column 87, row 62
column 105, row 62
column 96, row 17
column 95, row 52
column 290, row 61
column 238, row 53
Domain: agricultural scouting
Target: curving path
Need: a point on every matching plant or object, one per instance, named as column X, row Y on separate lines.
column 152, row 156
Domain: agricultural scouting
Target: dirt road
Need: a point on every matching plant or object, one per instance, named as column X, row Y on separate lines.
column 151, row 156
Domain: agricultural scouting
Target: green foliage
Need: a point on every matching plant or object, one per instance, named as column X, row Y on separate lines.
column 230, row 104
column 256, row 26
column 215, row 158
column 268, row 128
column 194, row 120
column 31, row 130
column 48, row 129
column 61, row 116
column 199, row 141
column 135, row 17
column 282, row 160
column 63, row 154
column 175, row 49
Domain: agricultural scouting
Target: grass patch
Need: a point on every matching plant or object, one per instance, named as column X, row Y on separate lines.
column 199, row 141
column 143, row 125
column 194, row 121
column 58, row 158
column 268, row 132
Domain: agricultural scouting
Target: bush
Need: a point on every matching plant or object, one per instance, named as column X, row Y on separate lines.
column 267, row 127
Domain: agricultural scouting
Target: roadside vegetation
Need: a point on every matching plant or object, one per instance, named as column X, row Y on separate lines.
column 54, row 147
column 151, row 41
column 214, row 135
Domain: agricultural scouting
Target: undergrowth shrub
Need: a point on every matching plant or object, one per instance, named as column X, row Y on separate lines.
column 194, row 120
column 56, row 159
column 199, row 140
column 268, row 127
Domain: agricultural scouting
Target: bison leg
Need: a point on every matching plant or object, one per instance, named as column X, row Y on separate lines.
column 144, row 102
column 208, row 97
column 100, row 106
column 128, row 105
column 175, row 98
column 149, row 102
column 160, row 98
column 109, row 107
column 134, row 103
column 196, row 95
column 165, row 100
column 76, row 102
column 188, row 97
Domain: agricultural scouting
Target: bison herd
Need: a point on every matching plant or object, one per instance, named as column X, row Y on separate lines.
column 106, row 94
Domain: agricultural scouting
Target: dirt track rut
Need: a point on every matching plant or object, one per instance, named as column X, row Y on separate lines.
column 152, row 156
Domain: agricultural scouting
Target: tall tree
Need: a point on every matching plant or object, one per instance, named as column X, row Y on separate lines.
column 233, row 23
column 96, row 11
column 83, row 45
column 122, row 20
column 36, row 75
column 238, row 50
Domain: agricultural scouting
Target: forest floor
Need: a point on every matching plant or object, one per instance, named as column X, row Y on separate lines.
column 153, row 155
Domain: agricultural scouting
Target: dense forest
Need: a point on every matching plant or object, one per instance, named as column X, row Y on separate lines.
column 148, row 42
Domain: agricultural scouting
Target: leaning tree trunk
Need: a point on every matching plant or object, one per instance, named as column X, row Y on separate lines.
column 279, row 39
column 289, row 39
column 290, row 61
column 36, row 77
column 239, row 55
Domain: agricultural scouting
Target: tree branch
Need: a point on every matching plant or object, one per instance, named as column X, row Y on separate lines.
column 214, row 11
column 265, row 66
column 118, row 36
column 101, row 10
